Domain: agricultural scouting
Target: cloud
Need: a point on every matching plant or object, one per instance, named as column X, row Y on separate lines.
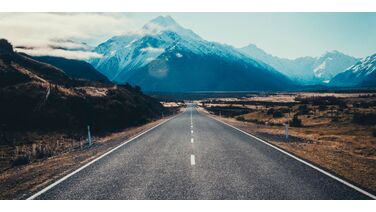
column 76, row 54
column 60, row 34
column 152, row 50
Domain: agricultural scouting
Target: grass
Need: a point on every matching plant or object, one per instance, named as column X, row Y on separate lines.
column 29, row 176
column 336, row 132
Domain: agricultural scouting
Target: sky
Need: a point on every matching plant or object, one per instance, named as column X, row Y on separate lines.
column 288, row 35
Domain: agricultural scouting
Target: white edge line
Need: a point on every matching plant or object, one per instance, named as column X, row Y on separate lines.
column 302, row 161
column 96, row 159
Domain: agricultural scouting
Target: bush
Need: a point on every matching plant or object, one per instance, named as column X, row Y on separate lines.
column 335, row 119
column 277, row 114
column 296, row 122
column 322, row 107
column 270, row 111
column 303, row 109
column 240, row 118
column 364, row 118
column 21, row 160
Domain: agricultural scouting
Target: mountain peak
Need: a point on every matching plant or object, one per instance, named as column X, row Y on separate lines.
column 161, row 22
column 167, row 23
column 164, row 21
column 333, row 53
column 251, row 45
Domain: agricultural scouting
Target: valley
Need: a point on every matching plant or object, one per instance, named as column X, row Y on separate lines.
column 161, row 112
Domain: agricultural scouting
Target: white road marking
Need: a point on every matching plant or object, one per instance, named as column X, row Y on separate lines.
column 192, row 140
column 93, row 161
column 191, row 131
column 302, row 161
column 193, row 160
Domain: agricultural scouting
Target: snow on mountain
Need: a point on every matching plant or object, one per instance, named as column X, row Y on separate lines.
column 306, row 70
column 298, row 69
column 331, row 63
column 363, row 73
column 161, row 44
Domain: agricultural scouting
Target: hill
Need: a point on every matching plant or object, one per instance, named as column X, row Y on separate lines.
column 76, row 69
column 40, row 97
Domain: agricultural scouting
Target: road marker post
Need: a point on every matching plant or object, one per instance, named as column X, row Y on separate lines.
column 89, row 135
column 287, row 127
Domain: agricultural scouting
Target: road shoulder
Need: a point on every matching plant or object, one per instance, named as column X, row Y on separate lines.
column 23, row 181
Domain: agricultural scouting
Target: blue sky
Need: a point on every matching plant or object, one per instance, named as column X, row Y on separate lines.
column 287, row 35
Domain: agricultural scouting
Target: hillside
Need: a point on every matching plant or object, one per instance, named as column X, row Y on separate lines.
column 76, row 69
column 38, row 96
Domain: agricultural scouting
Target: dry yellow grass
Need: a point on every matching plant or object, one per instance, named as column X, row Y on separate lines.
column 22, row 181
column 343, row 147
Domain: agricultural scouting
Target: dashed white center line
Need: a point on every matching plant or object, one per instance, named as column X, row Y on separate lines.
column 191, row 131
column 193, row 160
column 192, row 140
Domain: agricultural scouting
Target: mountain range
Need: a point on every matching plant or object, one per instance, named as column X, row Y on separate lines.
column 361, row 74
column 163, row 56
column 166, row 57
column 305, row 70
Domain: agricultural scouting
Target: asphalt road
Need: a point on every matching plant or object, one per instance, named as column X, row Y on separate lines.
column 203, row 160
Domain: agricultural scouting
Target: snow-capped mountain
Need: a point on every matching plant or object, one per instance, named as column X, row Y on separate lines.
column 330, row 64
column 164, row 56
column 306, row 70
column 362, row 73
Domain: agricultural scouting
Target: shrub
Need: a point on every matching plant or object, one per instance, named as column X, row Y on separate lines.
column 270, row 111
column 240, row 118
column 277, row 114
column 21, row 160
column 364, row 118
column 322, row 107
column 335, row 119
column 303, row 109
column 296, row 122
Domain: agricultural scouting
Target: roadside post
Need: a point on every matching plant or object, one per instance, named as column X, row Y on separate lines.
column 89, row 135
column 287, row 127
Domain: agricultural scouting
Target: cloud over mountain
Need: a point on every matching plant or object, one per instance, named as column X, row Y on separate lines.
column 52, row 33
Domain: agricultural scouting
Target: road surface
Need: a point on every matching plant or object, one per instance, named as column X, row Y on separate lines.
column 193, row 156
